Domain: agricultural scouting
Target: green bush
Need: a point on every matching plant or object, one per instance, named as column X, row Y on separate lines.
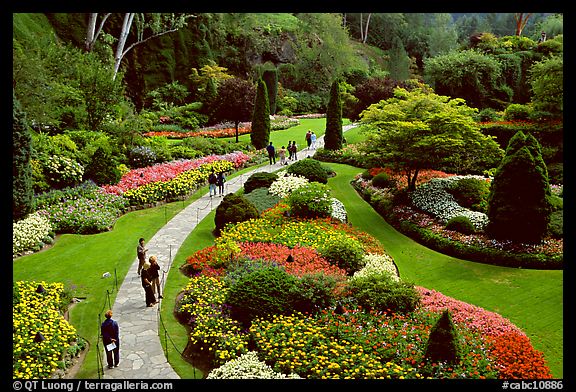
column 265, row 291
column 556, row 225
column 471, row 193
column 380, row 293
column 315, row 292
column 443, row 345
column 383, row 180
column 262, row 199
column 141, row 156
column 311, row 201
column 233, row 209
column 461, row 224
column 516, row 111
column 102, row 169
column 259, row 180
column 310, row 169
column 179, row 151
column 343, row 252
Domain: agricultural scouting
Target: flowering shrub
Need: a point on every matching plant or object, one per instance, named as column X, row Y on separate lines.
column 212, row 133
column 61, row 171
column 141, row 156
column 34, row 312
column 247, row 366
column 338, row 210
column 376, row 264
column 310, row 201
column 30, row 233
column 286, row 183
column 433, row 198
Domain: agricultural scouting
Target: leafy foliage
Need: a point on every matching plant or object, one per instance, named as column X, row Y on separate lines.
column 333, row 136
column 260, row 134
column 233, row 209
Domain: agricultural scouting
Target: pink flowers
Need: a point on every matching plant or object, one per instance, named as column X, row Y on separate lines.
column 168, row 171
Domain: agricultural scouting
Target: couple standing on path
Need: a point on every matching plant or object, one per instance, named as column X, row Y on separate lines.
column 216, row 180
column 149, row 274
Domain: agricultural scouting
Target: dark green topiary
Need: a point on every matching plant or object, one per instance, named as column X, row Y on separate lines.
column 519, row 205
column 22, row 186
column 379, row 292
column 260, row 134
column 333, row 136
column 346, row 253
column 270, row 77
column 461, row 224
column 471, row 193
column 259, row 180
column 443, row 342
column 310, row 169
column 265, row 291
column 233, row 209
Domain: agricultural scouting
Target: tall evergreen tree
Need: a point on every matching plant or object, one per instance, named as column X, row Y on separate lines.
column 333, row 135
column 22, row 188
column 270, row 77
column 443, row 341
column 519, row 204
column 260, row 133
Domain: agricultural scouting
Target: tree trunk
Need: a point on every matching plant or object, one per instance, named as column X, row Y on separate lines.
column 521, row 20
column 92, row 33
column 361, row 28
column 128, row 18
column 366, row 29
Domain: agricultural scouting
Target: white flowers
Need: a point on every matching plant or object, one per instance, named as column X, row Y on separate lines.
column 376, row 264
column 286, row 183
column 433, row 198
column 29, row 232
column 247, row 366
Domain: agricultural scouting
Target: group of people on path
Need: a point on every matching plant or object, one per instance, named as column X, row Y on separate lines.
column 149, row 272
column 292, row 149
column 216, row 180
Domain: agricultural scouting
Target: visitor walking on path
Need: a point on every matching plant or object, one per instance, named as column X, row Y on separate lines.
column 271, row 153
column 309, row 138
column 220, row 180
column 294, row 150
column 141, row 252
column 313, row 141
column 147, row 284
column 282, row 155
column 154, row 273
column 111, row 339
column 212, row 179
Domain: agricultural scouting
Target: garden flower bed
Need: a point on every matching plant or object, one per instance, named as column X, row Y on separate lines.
column 331, row 342
column 33, row 313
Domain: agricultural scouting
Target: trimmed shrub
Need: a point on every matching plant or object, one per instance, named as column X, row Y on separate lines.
column 343, row 252
column 315, row 291
column 309, row 168
column 233, row 209
column 461, row 224
column 383, row 180
column 471, row 193
column 556, row 225
column 260, row 293
column 259, row 180
column 141, row 156
column 102, row 169
column 262, row 199
column 311, row 201
column 443, row 341
column 381, row 292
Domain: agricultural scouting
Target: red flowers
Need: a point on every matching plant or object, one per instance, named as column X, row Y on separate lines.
column 517, row 358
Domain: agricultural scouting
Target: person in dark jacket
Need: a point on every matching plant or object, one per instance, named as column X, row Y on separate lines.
column 220, row 180
column 154, row 273
column 271, row 153
column 141, row 252
column 146, row 277
column 111, row 334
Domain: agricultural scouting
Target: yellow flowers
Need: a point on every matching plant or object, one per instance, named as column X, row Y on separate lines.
column 38, row 312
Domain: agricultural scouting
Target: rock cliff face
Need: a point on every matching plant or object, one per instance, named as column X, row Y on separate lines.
column 279, row 50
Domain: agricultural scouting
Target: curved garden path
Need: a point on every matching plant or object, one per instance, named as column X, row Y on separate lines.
column 141, row 353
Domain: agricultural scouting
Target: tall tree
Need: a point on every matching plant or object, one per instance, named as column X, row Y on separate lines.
column 22, row 189
column 234, row 102
column 333, row 135
column 270, row 77
column 364, row 28
column 519, row 204
column 398, row 62
column 418, row 130
column 91, row 33
column 260, row 134
column 148, row 26
column 521, row 20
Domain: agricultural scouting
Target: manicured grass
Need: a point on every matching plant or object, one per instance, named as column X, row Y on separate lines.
column 531, row 299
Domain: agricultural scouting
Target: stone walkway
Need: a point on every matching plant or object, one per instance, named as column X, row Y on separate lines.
column 141, row 353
